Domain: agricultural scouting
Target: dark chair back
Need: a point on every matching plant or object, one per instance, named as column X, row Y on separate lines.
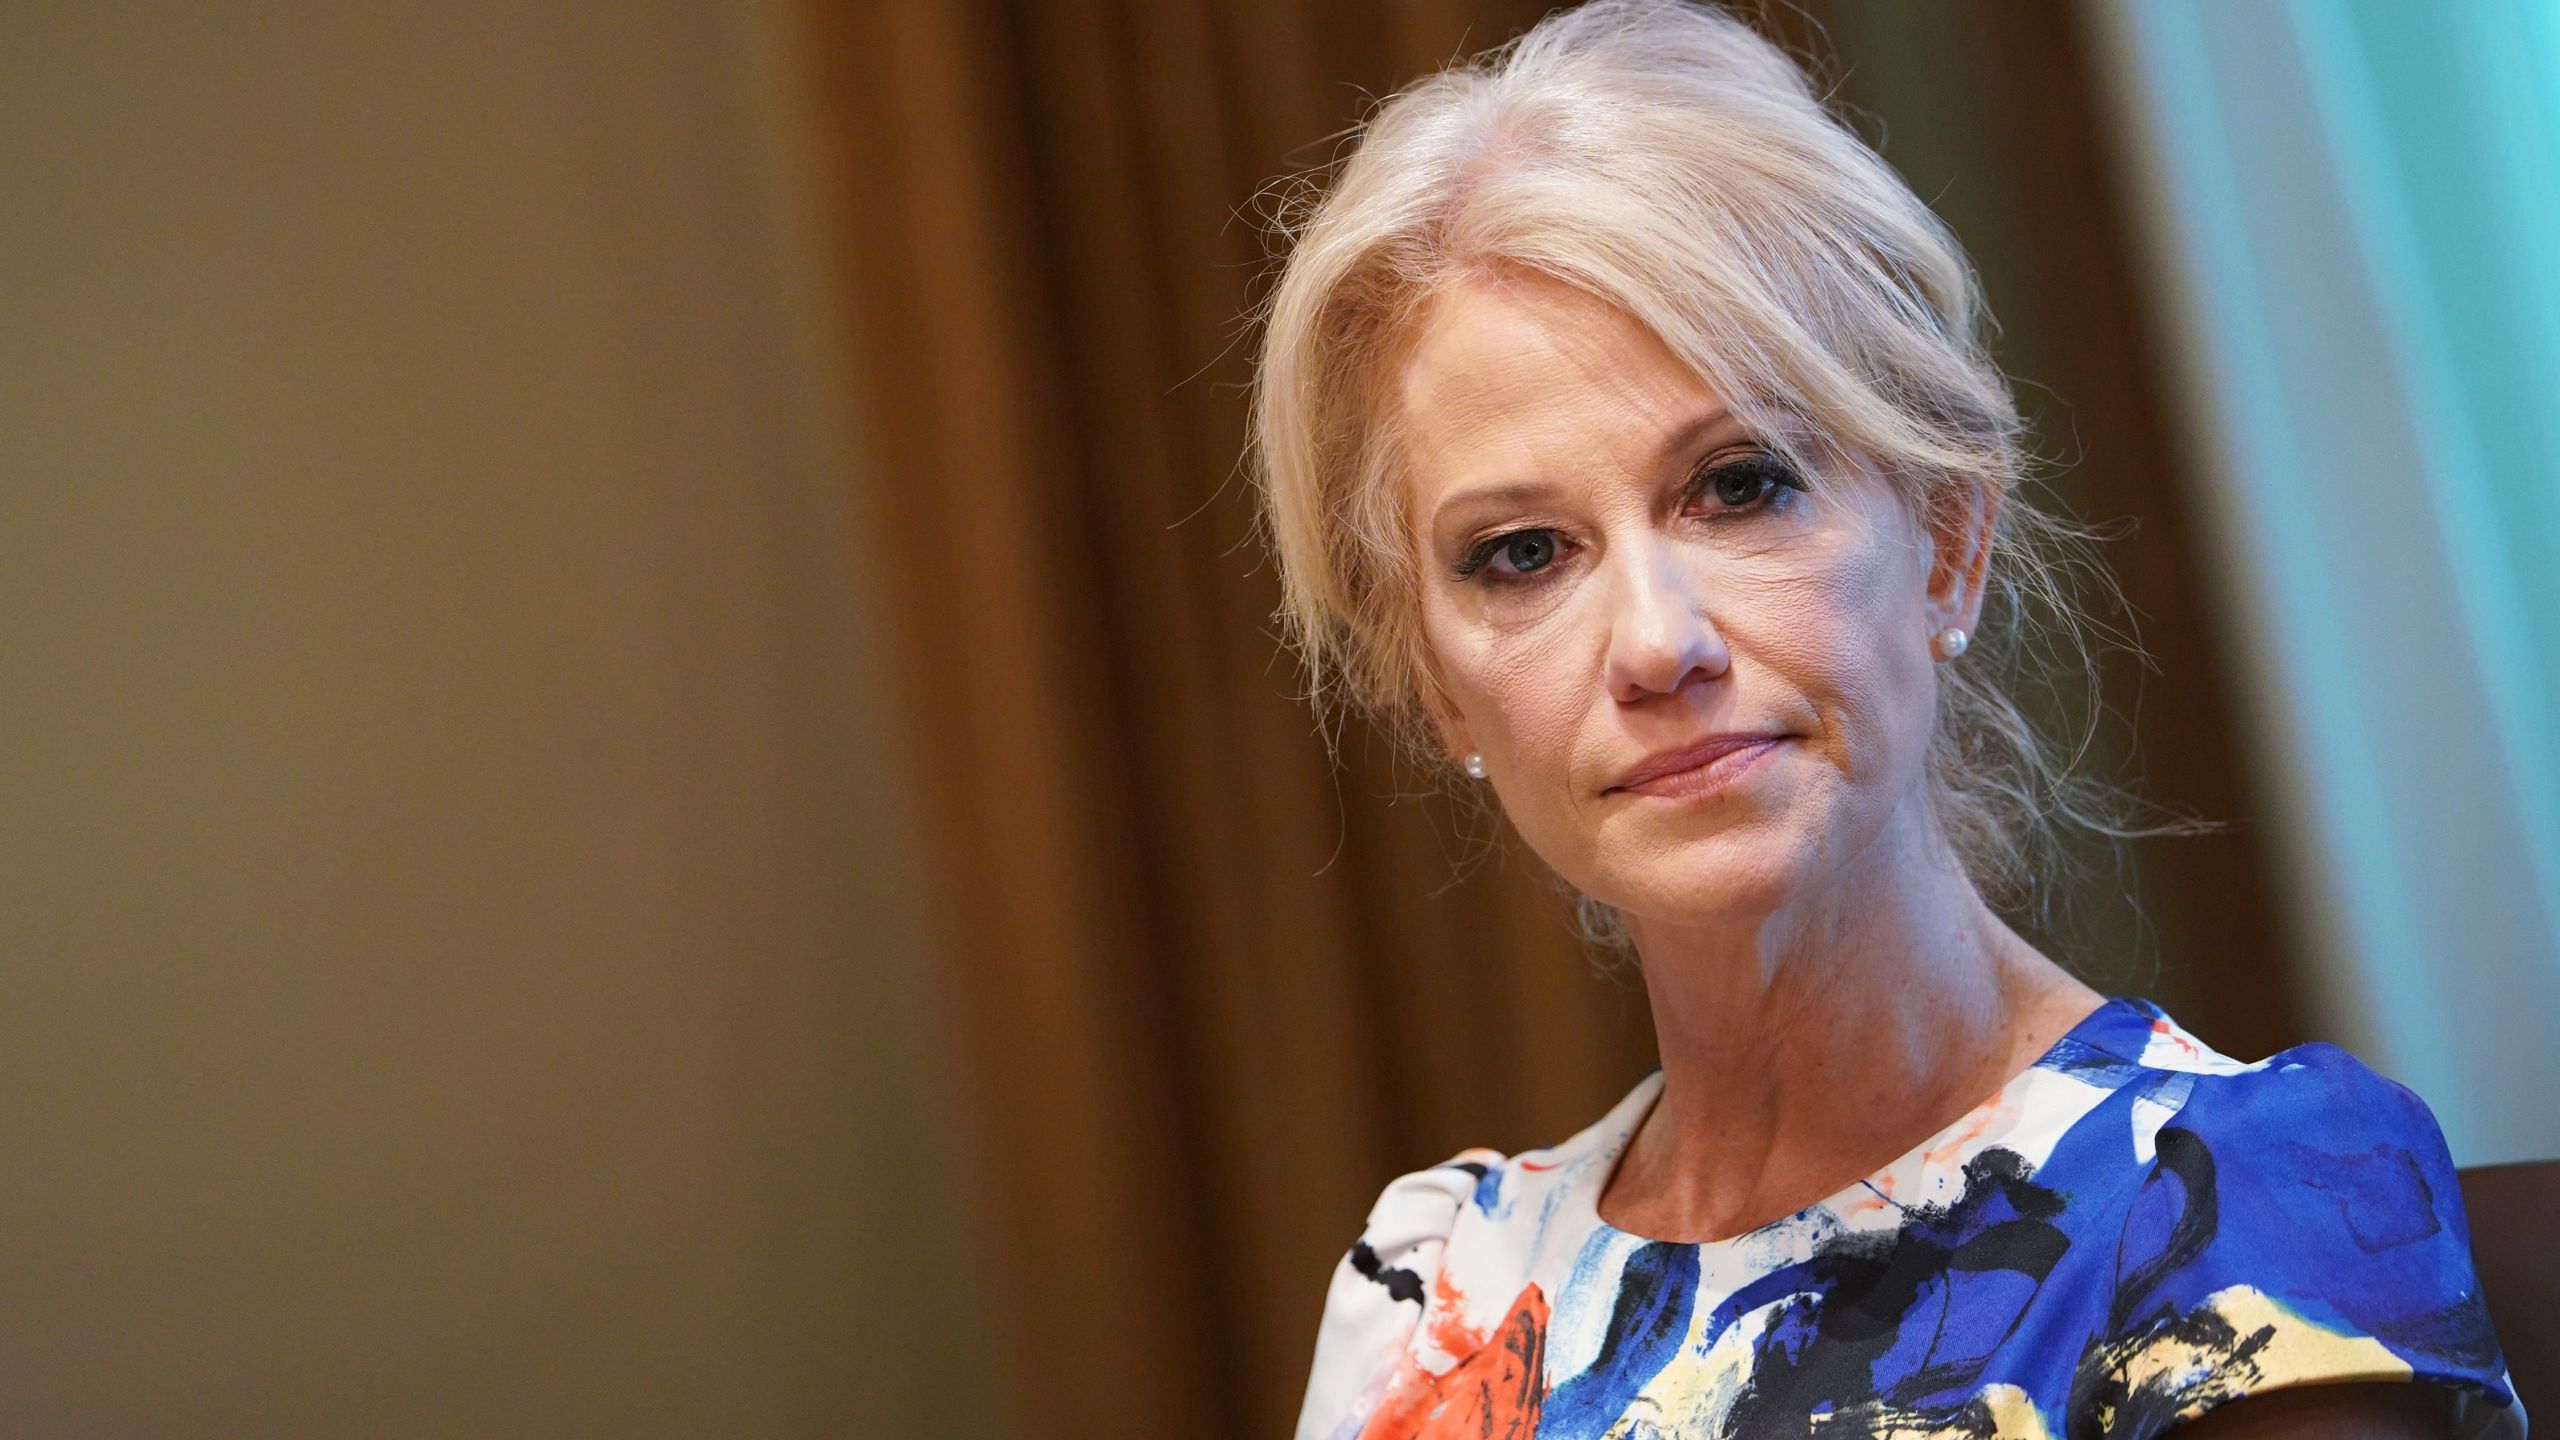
column 2515, row 1243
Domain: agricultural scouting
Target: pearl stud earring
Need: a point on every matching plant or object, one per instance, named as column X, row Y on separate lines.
column 1475, row 767
column 1951, row 642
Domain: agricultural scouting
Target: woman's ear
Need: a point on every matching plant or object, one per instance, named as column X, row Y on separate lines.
column 1964, row 517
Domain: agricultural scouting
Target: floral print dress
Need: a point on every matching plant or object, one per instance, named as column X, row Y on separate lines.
column 2133, row 1230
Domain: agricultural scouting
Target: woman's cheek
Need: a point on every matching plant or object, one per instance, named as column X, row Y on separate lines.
column 1874, row 696
column 1514, row 698
column 1525, row 679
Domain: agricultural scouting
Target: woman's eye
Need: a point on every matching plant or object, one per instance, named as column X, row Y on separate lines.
column 1520, row 553
column 1529, row 550
column 1744, row 483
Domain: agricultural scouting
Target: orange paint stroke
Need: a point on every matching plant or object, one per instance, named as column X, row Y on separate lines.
column 1494, row 1393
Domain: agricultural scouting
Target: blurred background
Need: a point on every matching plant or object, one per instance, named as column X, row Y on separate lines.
column 645, row 787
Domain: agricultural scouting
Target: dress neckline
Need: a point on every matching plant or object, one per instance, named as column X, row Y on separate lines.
column 1604, row 1144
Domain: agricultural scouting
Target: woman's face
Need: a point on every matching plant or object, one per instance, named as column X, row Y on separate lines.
column 1614, row 573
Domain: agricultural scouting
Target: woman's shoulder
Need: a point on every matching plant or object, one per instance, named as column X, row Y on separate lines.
column 1414, row 1215
column 2273, row 1115
column 2311, row 1131
column 1438, row 1268
column 2315, row 1082
column 1407, row 1231
column 1382, row 1288
column 2302, row 1208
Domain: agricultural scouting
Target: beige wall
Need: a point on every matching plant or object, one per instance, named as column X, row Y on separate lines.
column 455, row 973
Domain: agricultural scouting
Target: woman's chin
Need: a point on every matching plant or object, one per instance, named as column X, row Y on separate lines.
column 1711, row 881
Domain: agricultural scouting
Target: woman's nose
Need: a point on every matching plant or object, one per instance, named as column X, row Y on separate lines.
column 1660, row 637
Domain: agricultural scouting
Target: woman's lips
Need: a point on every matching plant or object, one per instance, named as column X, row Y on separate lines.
column 1699, row 769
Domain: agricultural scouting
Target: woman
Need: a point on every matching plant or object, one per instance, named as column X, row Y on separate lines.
column 1628, row 445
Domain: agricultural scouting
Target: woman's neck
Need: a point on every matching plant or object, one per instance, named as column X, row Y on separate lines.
column 1805, row 1051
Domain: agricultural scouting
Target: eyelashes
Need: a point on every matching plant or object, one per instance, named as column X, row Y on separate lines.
column 1766, row 472
column 1529, row 551
column 1733, row 489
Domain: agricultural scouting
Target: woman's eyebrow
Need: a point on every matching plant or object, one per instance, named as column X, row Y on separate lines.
column 1684, row 436
column 1502, row 495
column 1507, row 494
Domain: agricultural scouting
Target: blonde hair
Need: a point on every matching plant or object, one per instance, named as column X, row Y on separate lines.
column 1665, row 158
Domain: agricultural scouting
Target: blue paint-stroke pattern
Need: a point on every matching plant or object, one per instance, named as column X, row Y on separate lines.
column 2202, row 1231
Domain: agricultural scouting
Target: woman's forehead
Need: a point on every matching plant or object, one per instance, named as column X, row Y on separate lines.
column 1501, row 366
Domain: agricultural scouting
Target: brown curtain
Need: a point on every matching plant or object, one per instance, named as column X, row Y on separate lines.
column 1215, row 988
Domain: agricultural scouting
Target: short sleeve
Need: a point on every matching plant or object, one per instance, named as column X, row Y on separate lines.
column 2299, row 1223
column 1379, row 1291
